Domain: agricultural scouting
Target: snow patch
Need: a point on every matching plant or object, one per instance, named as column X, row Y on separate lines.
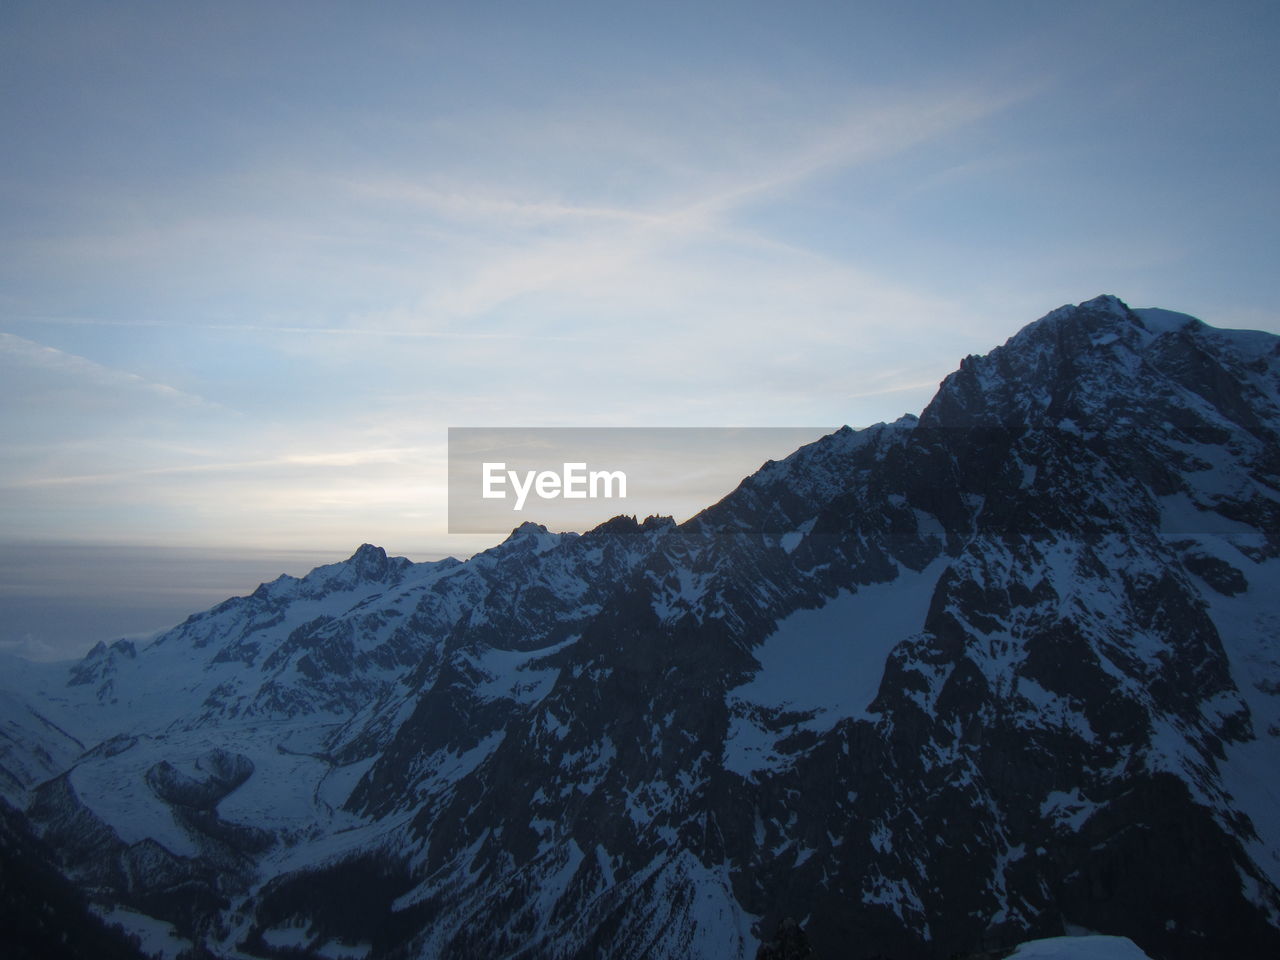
column 157, row 938
column 825, row 664
column 512, row 675
column 1069, row 811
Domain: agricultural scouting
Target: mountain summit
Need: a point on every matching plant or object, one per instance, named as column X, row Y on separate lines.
column 1004, row 671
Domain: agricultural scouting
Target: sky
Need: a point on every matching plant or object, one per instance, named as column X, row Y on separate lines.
column 256, row 258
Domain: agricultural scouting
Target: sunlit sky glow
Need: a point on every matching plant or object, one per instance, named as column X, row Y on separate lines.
column 255, row 258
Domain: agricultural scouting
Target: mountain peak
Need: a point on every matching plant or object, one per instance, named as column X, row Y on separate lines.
column 367, row 553
column 1075, row 325
column 529, row 539
column 1107, row 303
column 1043, row 365
column 628, row 524
column 370, row 562
column 527, row 529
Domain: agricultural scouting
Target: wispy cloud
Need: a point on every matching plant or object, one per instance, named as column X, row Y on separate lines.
column 302, row 461
column 863, row 134
column 405, row 331
column 477, row 203
column 28, row 353
column 521, row 241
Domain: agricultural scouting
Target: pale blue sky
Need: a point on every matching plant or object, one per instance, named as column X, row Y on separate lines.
column 256, row 257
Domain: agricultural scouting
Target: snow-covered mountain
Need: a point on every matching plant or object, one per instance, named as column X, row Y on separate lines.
column 1003, row 671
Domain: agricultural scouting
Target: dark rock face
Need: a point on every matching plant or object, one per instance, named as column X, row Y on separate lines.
column 925, row 689
column 42, row 915
column 789, row 943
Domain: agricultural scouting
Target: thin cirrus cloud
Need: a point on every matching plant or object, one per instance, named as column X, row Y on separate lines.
column 442, row 252
column 621, row 252
column 349, row 458
column 18, row 354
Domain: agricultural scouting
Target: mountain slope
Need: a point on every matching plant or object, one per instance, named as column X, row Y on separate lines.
column 1003, row 670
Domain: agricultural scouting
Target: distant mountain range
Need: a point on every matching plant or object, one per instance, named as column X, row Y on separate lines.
column 1007, row 670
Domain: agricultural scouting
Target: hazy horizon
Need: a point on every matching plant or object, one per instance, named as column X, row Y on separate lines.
column 62, row 598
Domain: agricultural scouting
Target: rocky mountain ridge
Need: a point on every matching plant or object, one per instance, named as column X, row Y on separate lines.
column 1003, row 670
